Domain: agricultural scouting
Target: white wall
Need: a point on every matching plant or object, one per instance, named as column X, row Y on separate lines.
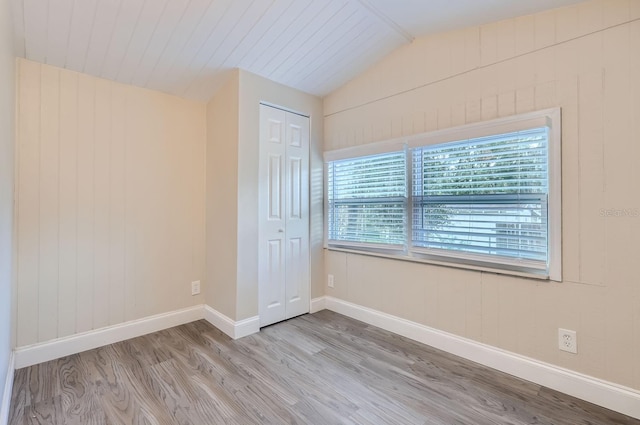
column 233, row 119
column 583, row 58
column 7, row 143
column 111, row 197
column 253, row 90
column 222, row 198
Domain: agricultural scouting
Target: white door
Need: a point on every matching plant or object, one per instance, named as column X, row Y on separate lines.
column 284, row 215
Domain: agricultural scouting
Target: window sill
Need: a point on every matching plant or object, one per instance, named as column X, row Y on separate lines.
column 464, row 266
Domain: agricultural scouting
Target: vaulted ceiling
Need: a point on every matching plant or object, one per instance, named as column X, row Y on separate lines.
column 184, row 47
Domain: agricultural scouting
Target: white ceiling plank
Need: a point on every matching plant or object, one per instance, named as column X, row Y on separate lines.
column 191, row 18
column 300, row 42
column 177, row 76
column 333, row 32
column 339, row 59
column 17, row 8
column 268, row 22
column 355, row 35
column 104, row 26
column 130, row 11
column 141, row 37
column 232, row 17
column 277, row 35
column 35, row 26
column 278, row 50
column 343, row 74
column 59, row 26
column 172, row 16
column 83, row 14
column 187, row 47
column 420, row 17
column 243, row 27
column 347, row 66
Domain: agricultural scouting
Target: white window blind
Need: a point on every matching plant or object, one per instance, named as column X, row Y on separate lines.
column 483, row 196
column 367, row 201
column 484, row 199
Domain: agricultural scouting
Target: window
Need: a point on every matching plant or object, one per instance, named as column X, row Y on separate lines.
column 368, row 201
column 482, row 196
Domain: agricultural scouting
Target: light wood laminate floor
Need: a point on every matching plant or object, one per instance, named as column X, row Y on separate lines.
column 315, row 369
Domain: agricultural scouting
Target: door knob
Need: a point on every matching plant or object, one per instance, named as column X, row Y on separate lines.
column 280, row 230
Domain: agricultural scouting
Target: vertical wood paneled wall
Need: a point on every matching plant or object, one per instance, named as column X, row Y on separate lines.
column 110, row 212
column 7, row 164
column 585, row 59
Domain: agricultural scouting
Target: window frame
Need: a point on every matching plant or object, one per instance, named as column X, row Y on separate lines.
column 550, row 118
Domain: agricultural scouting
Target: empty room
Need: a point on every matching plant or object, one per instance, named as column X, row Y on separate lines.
column 319, row 212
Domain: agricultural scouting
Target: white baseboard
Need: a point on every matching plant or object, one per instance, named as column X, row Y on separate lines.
column 6, row 395
column 229, row 326
column 318, row 304
column 60, row 347
column 606, row 394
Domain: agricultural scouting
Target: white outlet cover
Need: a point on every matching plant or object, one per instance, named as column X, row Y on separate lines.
column 567, row 341
column 330, row 281
column 195, row 287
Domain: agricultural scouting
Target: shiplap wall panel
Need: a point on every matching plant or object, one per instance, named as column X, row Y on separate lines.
column 101, row 202
column 117, row 207
column 48, row 206
column 28, row 210
column 68, row 280
column 85, row 206
column 110, row 202
column 582, row 58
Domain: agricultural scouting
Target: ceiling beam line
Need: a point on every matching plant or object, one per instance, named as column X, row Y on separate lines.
column 387, row 20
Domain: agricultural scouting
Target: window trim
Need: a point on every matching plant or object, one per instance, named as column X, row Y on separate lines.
column 550, row 118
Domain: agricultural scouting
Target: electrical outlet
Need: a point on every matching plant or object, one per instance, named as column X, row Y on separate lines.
column 195, row 287
column 330, row 281
column 567, row 341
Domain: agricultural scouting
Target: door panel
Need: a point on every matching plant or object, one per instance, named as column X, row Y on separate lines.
column 284, row 215
column 295, row 188
column 274, row 293
column 297, row 202
column 274, row 188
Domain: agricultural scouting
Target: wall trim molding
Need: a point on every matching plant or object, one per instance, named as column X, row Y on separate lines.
column 603, row 393
column 234, row 329
column 318, row 304
column 8, row 388
column 30, row 355
column 60, row 347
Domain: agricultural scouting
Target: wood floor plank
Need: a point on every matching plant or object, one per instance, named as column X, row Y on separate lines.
column 322, row 368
